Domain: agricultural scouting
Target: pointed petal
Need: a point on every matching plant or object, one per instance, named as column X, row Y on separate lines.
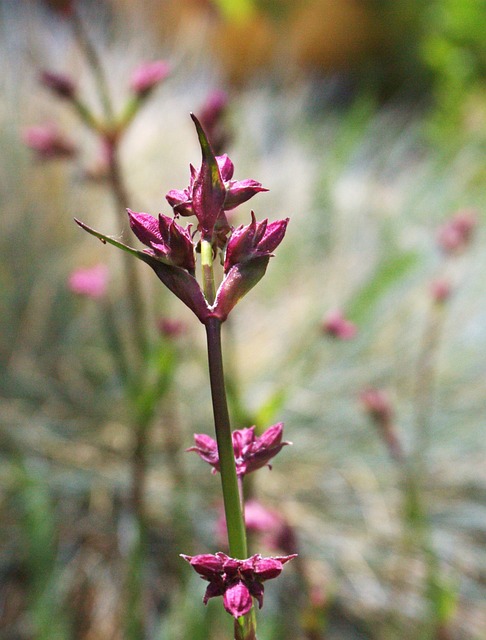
column 145, row 227
column 209, row 192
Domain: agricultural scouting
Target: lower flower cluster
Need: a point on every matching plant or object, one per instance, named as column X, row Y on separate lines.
column 238, row 581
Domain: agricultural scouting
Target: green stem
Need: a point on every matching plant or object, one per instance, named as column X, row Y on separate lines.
column 245, row 627
column 229, row 481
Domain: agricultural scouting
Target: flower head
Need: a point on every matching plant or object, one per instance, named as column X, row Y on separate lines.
column 238, row 581
column 91, row 282
column 48, row 142
column 337, row 326
column 251, row 452
column 147, row 76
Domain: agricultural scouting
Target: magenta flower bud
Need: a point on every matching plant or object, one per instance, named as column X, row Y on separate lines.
column 48, row 142
column 251, row 452
column 60, row 84
column 258, row 239
column 91, row 282
column 337, row 326
column 147, row 76
column 456, row 233
column 236, row 580
column 167, row 241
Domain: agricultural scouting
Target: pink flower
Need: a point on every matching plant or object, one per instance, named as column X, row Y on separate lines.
column 91, row 282
column 238, row 581
column 440, row 290
column 147, row 76
column 336, row 325
column 48, row 142
column 251, row 452
column 455, row 234
column 60, row 84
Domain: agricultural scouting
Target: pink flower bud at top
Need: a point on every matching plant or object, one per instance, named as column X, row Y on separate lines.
column 147, row 76
column 337, row 326
column 91, row 282
column 455, row 234
column 60, row 84
column 48, row 142
column 170, row 328
column 238, row 581
column 440, row 290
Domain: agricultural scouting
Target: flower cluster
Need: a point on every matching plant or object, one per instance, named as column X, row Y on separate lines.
column 251, row 452
column 236, row 580
column 455, row 234
column 171, row 248
column 337, row 326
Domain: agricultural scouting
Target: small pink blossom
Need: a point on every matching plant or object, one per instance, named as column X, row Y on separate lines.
column 251, row 452
column 337, row 326
column 276, row 533
column 455, row 234
column 48, row 142
column 91, row 282
column 171, row 328
column 238, row 581
column 440, row 290
column 211, row 118
column 147, row 76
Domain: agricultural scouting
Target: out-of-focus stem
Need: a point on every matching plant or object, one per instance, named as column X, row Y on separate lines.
column 94, row 63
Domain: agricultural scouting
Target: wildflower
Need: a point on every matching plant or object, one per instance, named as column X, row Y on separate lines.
column 456, row 233
column 337, row 326
column 48, row 142
column 238, row 581
column 167, row 241
column 91, row 282
column 251, row 452
column 147, row 76
column 171, row 247
column 60, row 84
